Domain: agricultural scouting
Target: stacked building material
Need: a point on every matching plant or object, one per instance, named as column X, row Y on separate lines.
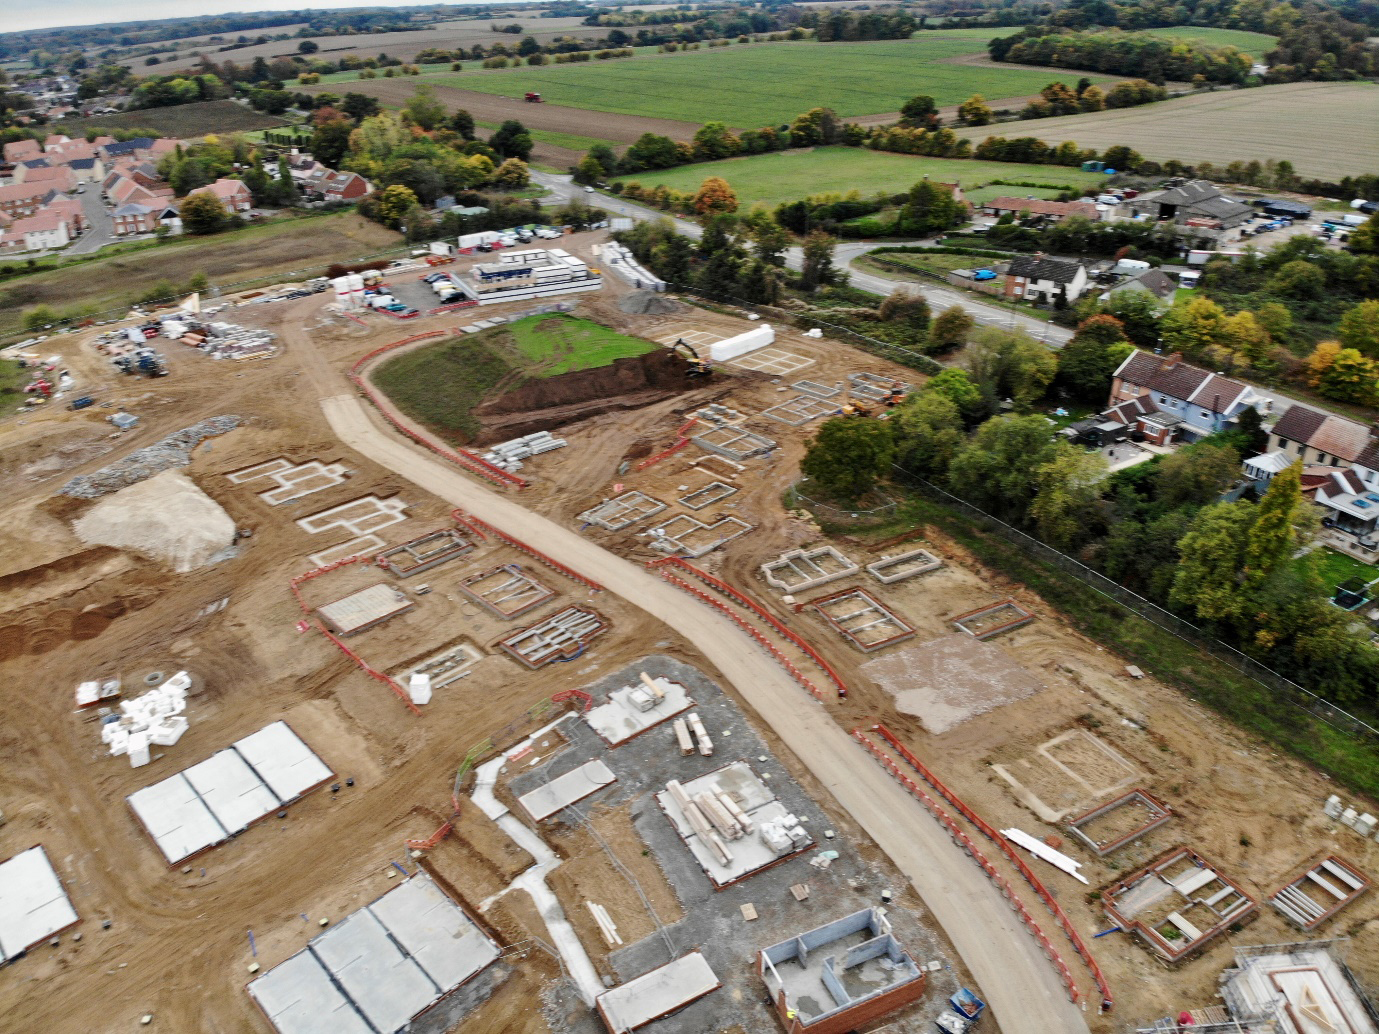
column 509, row 455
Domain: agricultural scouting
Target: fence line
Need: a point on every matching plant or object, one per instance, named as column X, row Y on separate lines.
column 1299, row 696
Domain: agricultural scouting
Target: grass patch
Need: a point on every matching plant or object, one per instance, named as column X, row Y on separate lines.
column 563, row 344
column 184, row 121
column 13, row 377
column 112, row 281
column 981, row 195
column 440, row 385
column 787, row 175
column 751, row 86
column 1352, row 761
column 1335, row 567
column 569, row 141
column 1256, row 44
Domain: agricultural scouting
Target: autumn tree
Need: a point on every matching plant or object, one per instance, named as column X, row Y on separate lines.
column 393, row 203
column 1194, row 327
column 203, row 213
column 911, row 310
column 513, row 174
column 975, row 111
column 1359, row 328
column 1320, row 361
column 715, row 197
column 848, row 456
column 1351, row 378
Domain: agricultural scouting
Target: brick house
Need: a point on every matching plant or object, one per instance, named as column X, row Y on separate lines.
column 54, row 177
column 1039, row 279
column 335, row 186
column 233, row 194
column 21, row 151
column 1188, row 402
column 23, row 199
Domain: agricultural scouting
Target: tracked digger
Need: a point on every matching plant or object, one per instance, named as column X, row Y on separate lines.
column 695, row 366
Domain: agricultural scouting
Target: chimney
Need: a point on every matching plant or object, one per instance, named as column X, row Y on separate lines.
column 1171, row 361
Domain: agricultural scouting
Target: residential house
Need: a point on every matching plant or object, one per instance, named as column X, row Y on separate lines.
column 22, row 150
column 1351, row 507
column 1057, row 210
column 41, row 232
column 1192, row 203
column 145, row 217
column 302, row 166
column 56, row 140
column 66, row 153
column 70, row 209
column 1039, row 279
column 56, row 177
column 21, row 170
column 233, row 194
column 1141, row 414
column 87, row 170
column 335, row 186
column 1320, row 438
column 1201, row 401
column 126, row 148
column 1152, row 281
column 22, row 199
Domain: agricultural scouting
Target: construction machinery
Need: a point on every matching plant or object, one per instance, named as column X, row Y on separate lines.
column 894, row 396
column 696, row 366
column 143, row 361
column 854, row 407
column 532, row 98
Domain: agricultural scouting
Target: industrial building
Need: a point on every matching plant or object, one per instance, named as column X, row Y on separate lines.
column 535, row 273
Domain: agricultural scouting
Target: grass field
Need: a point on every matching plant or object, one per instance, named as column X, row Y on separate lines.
column 112, row 282
column 440, row 385
column 180, row 120
column 571, row 141
column 1256, row 44
column 772, row 178
column 13, row 377
column 748, row 86
column 1326, row 130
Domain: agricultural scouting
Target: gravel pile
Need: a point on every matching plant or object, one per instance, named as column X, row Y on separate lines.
column 173, row 451
column 647, row 303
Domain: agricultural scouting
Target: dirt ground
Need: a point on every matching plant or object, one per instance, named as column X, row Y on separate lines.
column 177, row 946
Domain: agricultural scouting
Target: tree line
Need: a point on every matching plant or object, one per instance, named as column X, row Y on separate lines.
column 1116, row 53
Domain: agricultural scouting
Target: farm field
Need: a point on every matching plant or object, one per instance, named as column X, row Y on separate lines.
column 227, row 258
column 180, row 120
column 773, row 178
column 1325, row 129
column 1253, row 43
column 748, row 86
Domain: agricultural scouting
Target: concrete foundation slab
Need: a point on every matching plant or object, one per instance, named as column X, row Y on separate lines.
column 622, row 511
column 713, row 492
column 801, row 569
column 361, row 516
column 891, row 569
column 362, row 610
column 682, row 535
column 862, row 619
column 1113, row 825
column 559, row 637
column 819, row 391
column 232, row 791
column 993, row 620
column 427, row 552
column 506, row 590
column 278, row 756
column 656, row 994
column 567, row 789
column 775, row 361
column 361, row 546
column 733, row 442
column 299, row 997
column 800, row 410
column 33, row 905
column 620, row 719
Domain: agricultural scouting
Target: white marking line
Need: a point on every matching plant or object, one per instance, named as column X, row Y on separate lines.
column 361, row 516
column 354, row 547
column 693, row 338
column 259, row 471
column 296, row 482
column 772, row 360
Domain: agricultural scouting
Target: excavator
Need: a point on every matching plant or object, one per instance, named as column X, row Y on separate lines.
column 695, row 365
column 856, row 407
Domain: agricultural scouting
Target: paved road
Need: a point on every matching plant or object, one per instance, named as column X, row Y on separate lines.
column 939, row 298
column 1020, row 985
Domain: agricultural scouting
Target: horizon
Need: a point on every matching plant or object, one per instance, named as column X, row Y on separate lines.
column 66, row 14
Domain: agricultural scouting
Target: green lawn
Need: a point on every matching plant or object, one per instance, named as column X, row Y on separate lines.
column 772, row 178
column 570, row 141
column 1336, row 567
column 13, row 377
column 748, row 86
column 563, row 344
column 981, row 195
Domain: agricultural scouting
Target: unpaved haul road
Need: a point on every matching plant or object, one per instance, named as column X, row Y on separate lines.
column 1019, row 983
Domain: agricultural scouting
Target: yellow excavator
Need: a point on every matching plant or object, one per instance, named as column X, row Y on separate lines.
column 695, row 366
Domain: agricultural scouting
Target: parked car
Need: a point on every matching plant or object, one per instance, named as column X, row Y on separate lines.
column 984, row 274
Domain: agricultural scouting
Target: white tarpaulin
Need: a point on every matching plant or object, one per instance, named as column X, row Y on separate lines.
column 731, row 348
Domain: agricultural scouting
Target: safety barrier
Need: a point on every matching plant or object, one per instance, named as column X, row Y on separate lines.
column 681, row 440
column 965, row 842
column 461, row 457
column 362, row 664
column 441, row 310
column 1060, row 917
column 760, row 612
column 481, row 526
column 747, row 627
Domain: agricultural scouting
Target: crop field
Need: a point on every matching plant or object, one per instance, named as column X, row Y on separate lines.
column 773, row 178
column 1327, row 130
column 751, row 85
column 227, row 258
column 180, row 120
column 1256, row 44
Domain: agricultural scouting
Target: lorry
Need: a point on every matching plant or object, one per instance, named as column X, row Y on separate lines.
column 469, row 241
column 1131, row 267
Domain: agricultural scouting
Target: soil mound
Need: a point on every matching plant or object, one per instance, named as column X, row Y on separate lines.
column 641, row 303
column 548, row 402
column 165, row 518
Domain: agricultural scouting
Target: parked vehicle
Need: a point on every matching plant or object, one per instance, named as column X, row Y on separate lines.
column 81, row 403
column 984, row 274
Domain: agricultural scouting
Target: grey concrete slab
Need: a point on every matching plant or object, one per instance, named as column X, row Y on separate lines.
column 176, row 817
column 235, row 795
column 33, row 905
column 386, row 985
column 287, row 765
column 564, row 790
column 434, row 931
column 651, row 995
column 298, row 997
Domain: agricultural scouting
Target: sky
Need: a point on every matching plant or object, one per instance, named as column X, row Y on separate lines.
column 16, row 16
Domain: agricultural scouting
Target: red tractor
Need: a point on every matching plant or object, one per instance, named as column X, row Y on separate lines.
column 532, row 98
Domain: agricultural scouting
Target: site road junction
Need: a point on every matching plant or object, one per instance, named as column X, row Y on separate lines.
column 1020, row 984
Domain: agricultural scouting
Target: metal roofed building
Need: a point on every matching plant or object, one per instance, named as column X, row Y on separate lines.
column 378, row 969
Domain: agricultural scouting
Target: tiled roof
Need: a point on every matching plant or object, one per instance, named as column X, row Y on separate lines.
column 1032, row 268
column 1171, row 376
column 1218, row 393
column 1157, row 283
column 1328, row 433
column 1298, row 423
column 1037, row 207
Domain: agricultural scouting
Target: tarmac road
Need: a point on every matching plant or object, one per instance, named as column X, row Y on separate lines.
column 1020, row 985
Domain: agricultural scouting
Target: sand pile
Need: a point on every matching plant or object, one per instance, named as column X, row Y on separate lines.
column 643, row 303
column 165, row 518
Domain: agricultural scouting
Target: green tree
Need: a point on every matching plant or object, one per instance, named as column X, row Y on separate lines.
column 424, row 109
column 203, row 214
column 959, row 389
column 308, row 47
column 1274, row 535
column 714, row 141
column 513, row 174
column 816, row 127
column 928, row 433
column 1359, row 328
column 1351, row 378
column 331, row 142
column 197, row 282
column 512, row 140
column 918, row 112
column 909, row 310
column 770, row 241
column 673, row 258
column 1011, row 364
column 1196, row 474
column 1211, row 557
column 393, row 203
column 40, row 318
column 818, row 268
column 607, row 159
column 995, row 469
column 1364, row 239
column 975, row 111
column 930, row 207
column 462, row 122
column 588, row 171
column 1067, row 487
column 951, row 329
column 848, row 456
column 1087, row 362
column 1298, row 279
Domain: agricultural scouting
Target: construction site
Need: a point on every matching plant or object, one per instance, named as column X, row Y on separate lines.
column 349, row 723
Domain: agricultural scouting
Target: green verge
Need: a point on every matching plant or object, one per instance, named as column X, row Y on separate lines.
column 440, row 385
column 1352, row 761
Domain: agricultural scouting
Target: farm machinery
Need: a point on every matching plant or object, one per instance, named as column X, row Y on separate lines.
column 532, row 98
column 695, row 366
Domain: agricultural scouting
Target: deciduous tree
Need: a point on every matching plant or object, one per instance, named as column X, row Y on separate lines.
column 715, row 197
column 203, row 213
column 1359, row 328
column 1211, row 557
column 975, row 111
column 848, row 456
column 928, row 433
column 1067, row 487
column 951, row 329
column 424, row 109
